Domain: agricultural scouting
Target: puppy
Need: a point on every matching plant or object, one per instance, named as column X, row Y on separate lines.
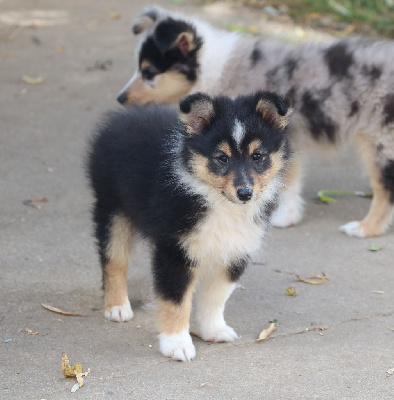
column 200, row 188
column 341, row 91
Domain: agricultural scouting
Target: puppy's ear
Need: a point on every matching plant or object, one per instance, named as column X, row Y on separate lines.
column 144, row 21
column 171, row 34
column 274, row 109
column 196, row 113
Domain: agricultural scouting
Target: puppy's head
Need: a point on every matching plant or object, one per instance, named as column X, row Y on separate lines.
column 167, row 59
column 235, row 147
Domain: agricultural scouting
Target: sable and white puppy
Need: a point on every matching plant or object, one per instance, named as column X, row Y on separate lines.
column 341, row 90
column 200, row 188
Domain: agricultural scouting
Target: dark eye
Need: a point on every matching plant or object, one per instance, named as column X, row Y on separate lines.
column 257, row 156
column 148, row 74
column 223, row 159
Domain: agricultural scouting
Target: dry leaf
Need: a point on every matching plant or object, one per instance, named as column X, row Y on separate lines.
column 30, row 203
column 68, row 370
column 60, row 49
column 29, row 331
column 265, row 333
column 80, row 376
column 33, row 81
column 114, row 15
column 203, row 384
column 319, row 281
column 42, row 200
column 291, row 291
column 57, row 311
column 378, row 291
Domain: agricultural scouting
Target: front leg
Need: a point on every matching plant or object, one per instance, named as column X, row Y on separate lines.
column 214, row 289
column 174, row 287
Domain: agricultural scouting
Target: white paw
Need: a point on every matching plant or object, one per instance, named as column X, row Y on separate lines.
column 288, row 213
column 353, row 229
column 221, row 333
column 178, row 347
column 121, row 313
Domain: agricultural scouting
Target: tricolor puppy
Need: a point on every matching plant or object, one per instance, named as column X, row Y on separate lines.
column 199, row 187
column 341, row 91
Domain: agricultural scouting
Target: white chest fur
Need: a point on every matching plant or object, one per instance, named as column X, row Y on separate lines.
column 228, row 233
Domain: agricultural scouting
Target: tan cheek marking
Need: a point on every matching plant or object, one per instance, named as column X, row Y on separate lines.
column 219, row 183
column 261, row 180
column 118, row 252
column 170, row 87
column 174, row 318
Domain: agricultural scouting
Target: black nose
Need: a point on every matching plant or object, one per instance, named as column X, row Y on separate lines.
column 122, row 98
column 244, row 194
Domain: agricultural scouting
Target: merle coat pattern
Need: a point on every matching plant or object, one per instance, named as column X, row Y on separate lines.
column 341, row 90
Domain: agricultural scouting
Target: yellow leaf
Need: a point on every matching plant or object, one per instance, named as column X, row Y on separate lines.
column 68, row 370
column 291, row 291
column 33, row 81
column 114, row 15
column 60, row 49
column 265, row 333
column 319, row 279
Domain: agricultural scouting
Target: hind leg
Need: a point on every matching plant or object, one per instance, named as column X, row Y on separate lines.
column 115, row 242
column 381, row 212
column 290, row 206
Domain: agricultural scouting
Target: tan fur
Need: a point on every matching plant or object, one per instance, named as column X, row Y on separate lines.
column 174, row 318
column 118, row 253
column 189, row 37
column 261, row 181
column 381, row 212
column 253, row 146
column 222, row 184
column 167, row 88
column 225, row 148
column 201, row 113
column 270, row 114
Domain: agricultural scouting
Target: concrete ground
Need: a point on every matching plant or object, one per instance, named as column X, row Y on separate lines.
column 333, row 340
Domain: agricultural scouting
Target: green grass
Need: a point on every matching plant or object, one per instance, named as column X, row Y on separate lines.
column 362, row 15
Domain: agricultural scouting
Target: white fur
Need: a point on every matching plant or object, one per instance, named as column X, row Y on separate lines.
column 238, row 133
column 178, row 347
column 290, row 208
column 121, row 313
column 212, row 294
column 353, row 228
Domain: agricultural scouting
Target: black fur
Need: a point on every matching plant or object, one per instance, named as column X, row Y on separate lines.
column 320, row 124
column 132, row 165
column 159, row 51
column 389, row 109
column 388, row 179
column 255, row 56
column 354, row 107
column 373, row 72
column 290, row 66
column 339, row 60
column 236, row 270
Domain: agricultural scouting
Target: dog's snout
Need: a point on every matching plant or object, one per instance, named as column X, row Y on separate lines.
column 244, row 194
column 122, row 98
